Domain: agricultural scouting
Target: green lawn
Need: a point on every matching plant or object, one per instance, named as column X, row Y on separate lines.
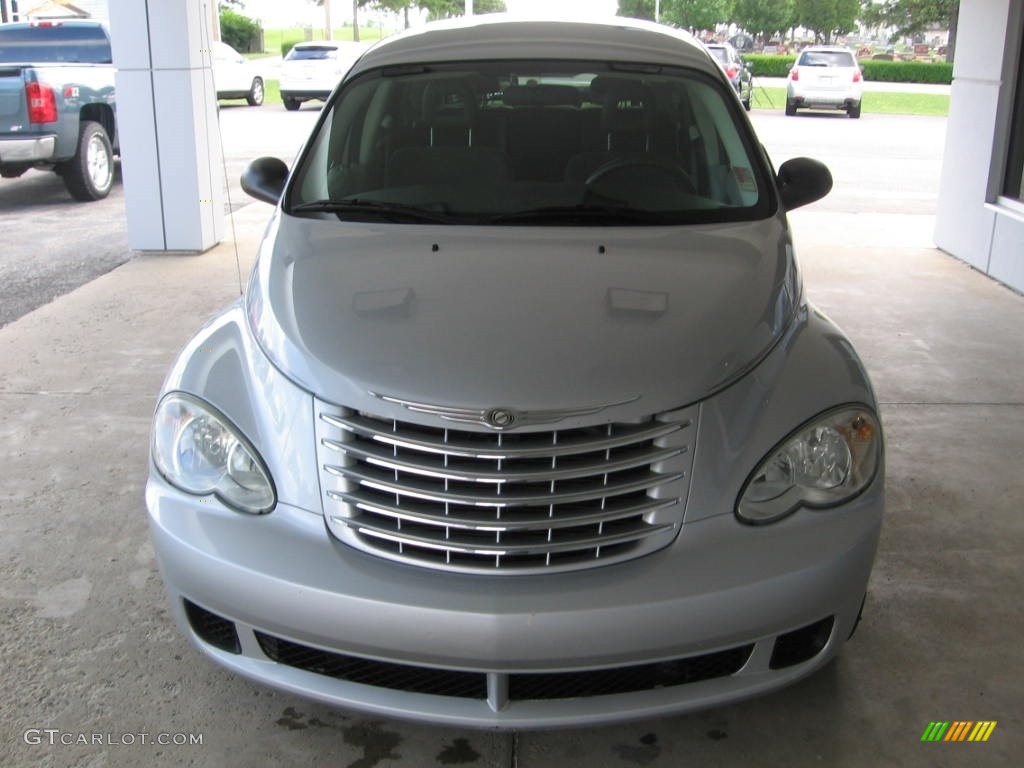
column 272, row 38
column 877, row 102
column 880, row 103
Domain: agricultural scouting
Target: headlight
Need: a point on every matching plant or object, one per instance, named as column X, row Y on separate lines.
column 825, row 463
column 199, row 451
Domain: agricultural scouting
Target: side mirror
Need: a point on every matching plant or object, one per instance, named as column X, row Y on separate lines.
column 264, row 179
column 802, row 181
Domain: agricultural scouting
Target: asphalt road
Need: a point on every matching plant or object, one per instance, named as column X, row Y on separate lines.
column 880, row 163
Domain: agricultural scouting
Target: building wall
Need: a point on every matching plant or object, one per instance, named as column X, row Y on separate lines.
column 974, row 222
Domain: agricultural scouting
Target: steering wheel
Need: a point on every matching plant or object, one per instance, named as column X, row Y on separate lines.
column 671, row 171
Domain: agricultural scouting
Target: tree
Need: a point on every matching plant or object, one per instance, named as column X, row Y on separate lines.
column 688, row 14
column 398, row 6
column 446, row 9
column 828, row 18
column 238, row 31
column 765, row 18
column 911, row 17
column 636, row 9
column 695, row 14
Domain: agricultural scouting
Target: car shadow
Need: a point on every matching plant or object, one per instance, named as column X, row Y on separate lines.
column 37, row 188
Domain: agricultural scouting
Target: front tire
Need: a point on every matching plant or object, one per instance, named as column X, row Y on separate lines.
column 89, row 175
column 256, row 93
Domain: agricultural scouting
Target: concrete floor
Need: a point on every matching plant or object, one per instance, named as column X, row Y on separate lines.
column 89, row 653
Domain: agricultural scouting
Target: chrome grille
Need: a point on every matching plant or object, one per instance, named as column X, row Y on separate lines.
column 504, row 502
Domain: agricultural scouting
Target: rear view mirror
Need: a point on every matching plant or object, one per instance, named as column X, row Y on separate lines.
column 802, row 181
column 264, row 179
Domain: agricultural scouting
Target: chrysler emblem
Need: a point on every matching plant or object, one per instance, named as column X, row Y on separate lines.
column 498, row 419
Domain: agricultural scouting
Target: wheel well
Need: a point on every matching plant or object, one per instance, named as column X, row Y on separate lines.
column 104, row 115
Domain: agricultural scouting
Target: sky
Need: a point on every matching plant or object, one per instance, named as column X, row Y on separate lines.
column 579, row 8
column 285, row 13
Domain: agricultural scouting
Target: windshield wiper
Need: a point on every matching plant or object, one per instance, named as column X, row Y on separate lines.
column 608, row 215
column 377, row 209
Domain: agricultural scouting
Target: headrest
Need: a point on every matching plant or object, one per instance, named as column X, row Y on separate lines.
column 541, row 96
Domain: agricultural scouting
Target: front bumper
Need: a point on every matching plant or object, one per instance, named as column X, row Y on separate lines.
column 721, row 591
column 37, row 149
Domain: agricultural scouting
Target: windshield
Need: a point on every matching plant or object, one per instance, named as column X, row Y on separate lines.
column 532, row 143
column 312, row 52
column 54, row 43
column 719, row 53
column 827, row 59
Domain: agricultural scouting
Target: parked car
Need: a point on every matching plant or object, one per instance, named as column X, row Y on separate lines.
column 524, row 419
column 735, row 69
column 825, row 77
column 235, row 76
column 57, row 102
column 311, row 70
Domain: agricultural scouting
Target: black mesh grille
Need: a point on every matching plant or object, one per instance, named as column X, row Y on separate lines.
column 643, row 677
column 473, row 685
column 212, row 629
column 401, row 677
column 801, row 644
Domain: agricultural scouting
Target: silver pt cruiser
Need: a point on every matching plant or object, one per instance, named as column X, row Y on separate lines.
column 524, row 420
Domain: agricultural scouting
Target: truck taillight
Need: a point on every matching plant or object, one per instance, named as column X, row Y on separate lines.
column 42, row 103
column 730, row 71
column 857, row 77
column 794, row 74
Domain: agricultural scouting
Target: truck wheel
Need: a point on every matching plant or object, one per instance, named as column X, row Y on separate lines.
column 291, row 104
column 255, row 97
column 89, row 175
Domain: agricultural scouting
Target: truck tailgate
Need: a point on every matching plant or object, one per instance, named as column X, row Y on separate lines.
column 13, row 107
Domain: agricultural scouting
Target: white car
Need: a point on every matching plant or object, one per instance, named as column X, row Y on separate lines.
column 825, row 77
column 311, row 70
column 235, row 76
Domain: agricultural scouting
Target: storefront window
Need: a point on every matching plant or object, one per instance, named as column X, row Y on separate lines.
column 1014, row 186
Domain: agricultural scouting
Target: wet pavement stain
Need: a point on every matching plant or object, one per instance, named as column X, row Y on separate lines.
column 645, row 754
column 377, row 744
column 459, row 752
column 292, row 720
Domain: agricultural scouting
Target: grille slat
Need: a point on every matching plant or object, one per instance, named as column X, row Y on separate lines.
column 504, row 502
column 484, row 446
column 467, row 547
column 384, row 457
column 542, row 518
column 414, row 487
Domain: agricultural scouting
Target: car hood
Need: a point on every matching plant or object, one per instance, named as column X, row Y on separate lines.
column 637, row 319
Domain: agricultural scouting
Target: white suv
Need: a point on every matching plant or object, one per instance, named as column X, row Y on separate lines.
column 825, row 77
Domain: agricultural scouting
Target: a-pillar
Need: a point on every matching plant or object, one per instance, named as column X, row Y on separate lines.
column 171, row 159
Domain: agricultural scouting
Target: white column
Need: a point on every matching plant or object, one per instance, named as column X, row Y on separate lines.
column 171, row 158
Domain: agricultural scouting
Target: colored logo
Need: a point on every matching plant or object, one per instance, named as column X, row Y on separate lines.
column 959, row 730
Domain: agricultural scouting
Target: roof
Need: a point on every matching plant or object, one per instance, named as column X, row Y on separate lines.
column 55, row 9
column 497, row 36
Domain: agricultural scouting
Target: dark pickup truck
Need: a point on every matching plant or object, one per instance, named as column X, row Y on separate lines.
column 57, row 103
